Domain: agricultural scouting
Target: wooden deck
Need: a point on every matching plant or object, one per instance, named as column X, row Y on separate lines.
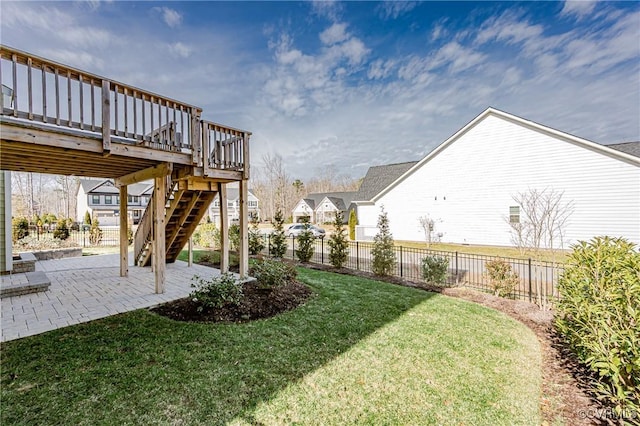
column 60, row 120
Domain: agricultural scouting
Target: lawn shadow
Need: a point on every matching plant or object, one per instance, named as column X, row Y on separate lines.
column 141, row 367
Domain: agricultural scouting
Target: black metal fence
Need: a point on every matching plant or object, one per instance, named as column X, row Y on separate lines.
column 537, row 279
column 110, row 236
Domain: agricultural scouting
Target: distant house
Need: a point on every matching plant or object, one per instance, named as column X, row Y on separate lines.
column 101, row 198
column 468, row 183
column 233, row 206
column 321, row 207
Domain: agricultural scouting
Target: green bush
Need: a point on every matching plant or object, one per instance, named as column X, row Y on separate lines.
column 207, row 235
column 598, row 315
column 278, row 241
column 304, row 251
column 353, row 221
column 502, row 279
column 383, row 253
column 87, row 218
column 272, row 273
column 234, row 237
column 338, row 244
column 216, row 292
column 434, row 269
column 62, row 231
column 256, row 240
column 20, row 228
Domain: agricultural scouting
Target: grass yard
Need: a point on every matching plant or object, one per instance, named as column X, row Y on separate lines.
column 359, row 351
column 213, row 254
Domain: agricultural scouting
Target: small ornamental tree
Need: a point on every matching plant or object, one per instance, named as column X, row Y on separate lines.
column 305, row 241
column 95, row 233
column 353, row 221
column 256, row 240
column 338, row 244
column 62, row 231
column 384, row 256
column 87, row 218
column 278, row 239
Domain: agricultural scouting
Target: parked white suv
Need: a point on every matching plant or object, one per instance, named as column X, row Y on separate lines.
column 296, row 229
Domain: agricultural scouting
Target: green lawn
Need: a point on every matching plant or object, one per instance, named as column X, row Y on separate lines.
column 359, row 351
column 214, row 255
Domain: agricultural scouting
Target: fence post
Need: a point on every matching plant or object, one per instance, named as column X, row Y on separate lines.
column 268, row 244
column 457, row 275
column 293, row 251
column 400, row 261
column 530, row 280
column 322, row 251
column 357, row 257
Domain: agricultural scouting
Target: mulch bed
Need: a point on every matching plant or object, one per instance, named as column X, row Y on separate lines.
column 257, row 303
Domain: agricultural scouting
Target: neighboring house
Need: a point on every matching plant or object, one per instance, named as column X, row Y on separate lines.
column 467, row 184
column 321, row 207
column 233, row 205
column 101, row 198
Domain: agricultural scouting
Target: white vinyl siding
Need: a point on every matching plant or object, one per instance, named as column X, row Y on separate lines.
column 468, row 186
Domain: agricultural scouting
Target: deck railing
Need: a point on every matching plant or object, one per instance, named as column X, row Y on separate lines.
column 43, row 91
column 225, row 147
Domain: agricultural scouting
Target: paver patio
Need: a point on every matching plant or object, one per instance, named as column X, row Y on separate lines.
column 87, row 288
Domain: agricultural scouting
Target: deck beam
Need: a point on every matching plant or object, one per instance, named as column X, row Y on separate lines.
column 160, row 170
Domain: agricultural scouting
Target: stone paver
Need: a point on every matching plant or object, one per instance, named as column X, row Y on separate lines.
column 88, row 288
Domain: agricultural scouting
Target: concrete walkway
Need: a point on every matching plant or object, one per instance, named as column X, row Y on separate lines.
column 87, row 288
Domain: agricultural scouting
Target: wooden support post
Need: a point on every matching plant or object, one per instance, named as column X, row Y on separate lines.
column 195, row 142
column 224, row 228
column 106, row 117
column 244, row 229
column 159, row 244
column 124, row 235
column 245, row 155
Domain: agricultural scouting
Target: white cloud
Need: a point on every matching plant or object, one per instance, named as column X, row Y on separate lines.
column 578, row 8
column 392, row 9
column 180, row 49
column 334, row 34
column 171, row 17
column 380, row 69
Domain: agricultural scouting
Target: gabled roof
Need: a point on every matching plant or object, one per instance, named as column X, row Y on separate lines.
column 631, row 148
column 106, row 186
column 342, row 200
column 606, row 150
column 379, row 177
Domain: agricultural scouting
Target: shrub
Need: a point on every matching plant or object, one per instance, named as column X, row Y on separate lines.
column 598, row 315
column 434, row 269
column 502, row 279
column 234, row 237
column 20, row 228
column 338, row 244
column 384, row 256
column 95, row 233
column 207, row 235
column 62, row 231
column 278, row 240
column 216, row 292
column 353, row 221
column 272, row 273
column 87, row 218
column 256, row 240
column 305, row 241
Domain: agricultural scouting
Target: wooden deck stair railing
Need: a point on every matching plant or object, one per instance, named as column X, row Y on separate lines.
column 183, row 211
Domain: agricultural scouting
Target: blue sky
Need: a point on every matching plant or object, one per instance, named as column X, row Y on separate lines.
column 359, row 83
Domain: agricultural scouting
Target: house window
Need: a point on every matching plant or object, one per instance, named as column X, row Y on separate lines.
column 514, row 214
column 253, row 204
column 230, row 204
column 95, row 199
column 133, row 199
column 216, row 203
column 107, row 199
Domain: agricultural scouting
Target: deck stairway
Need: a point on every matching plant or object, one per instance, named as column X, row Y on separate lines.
column 183, row 211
